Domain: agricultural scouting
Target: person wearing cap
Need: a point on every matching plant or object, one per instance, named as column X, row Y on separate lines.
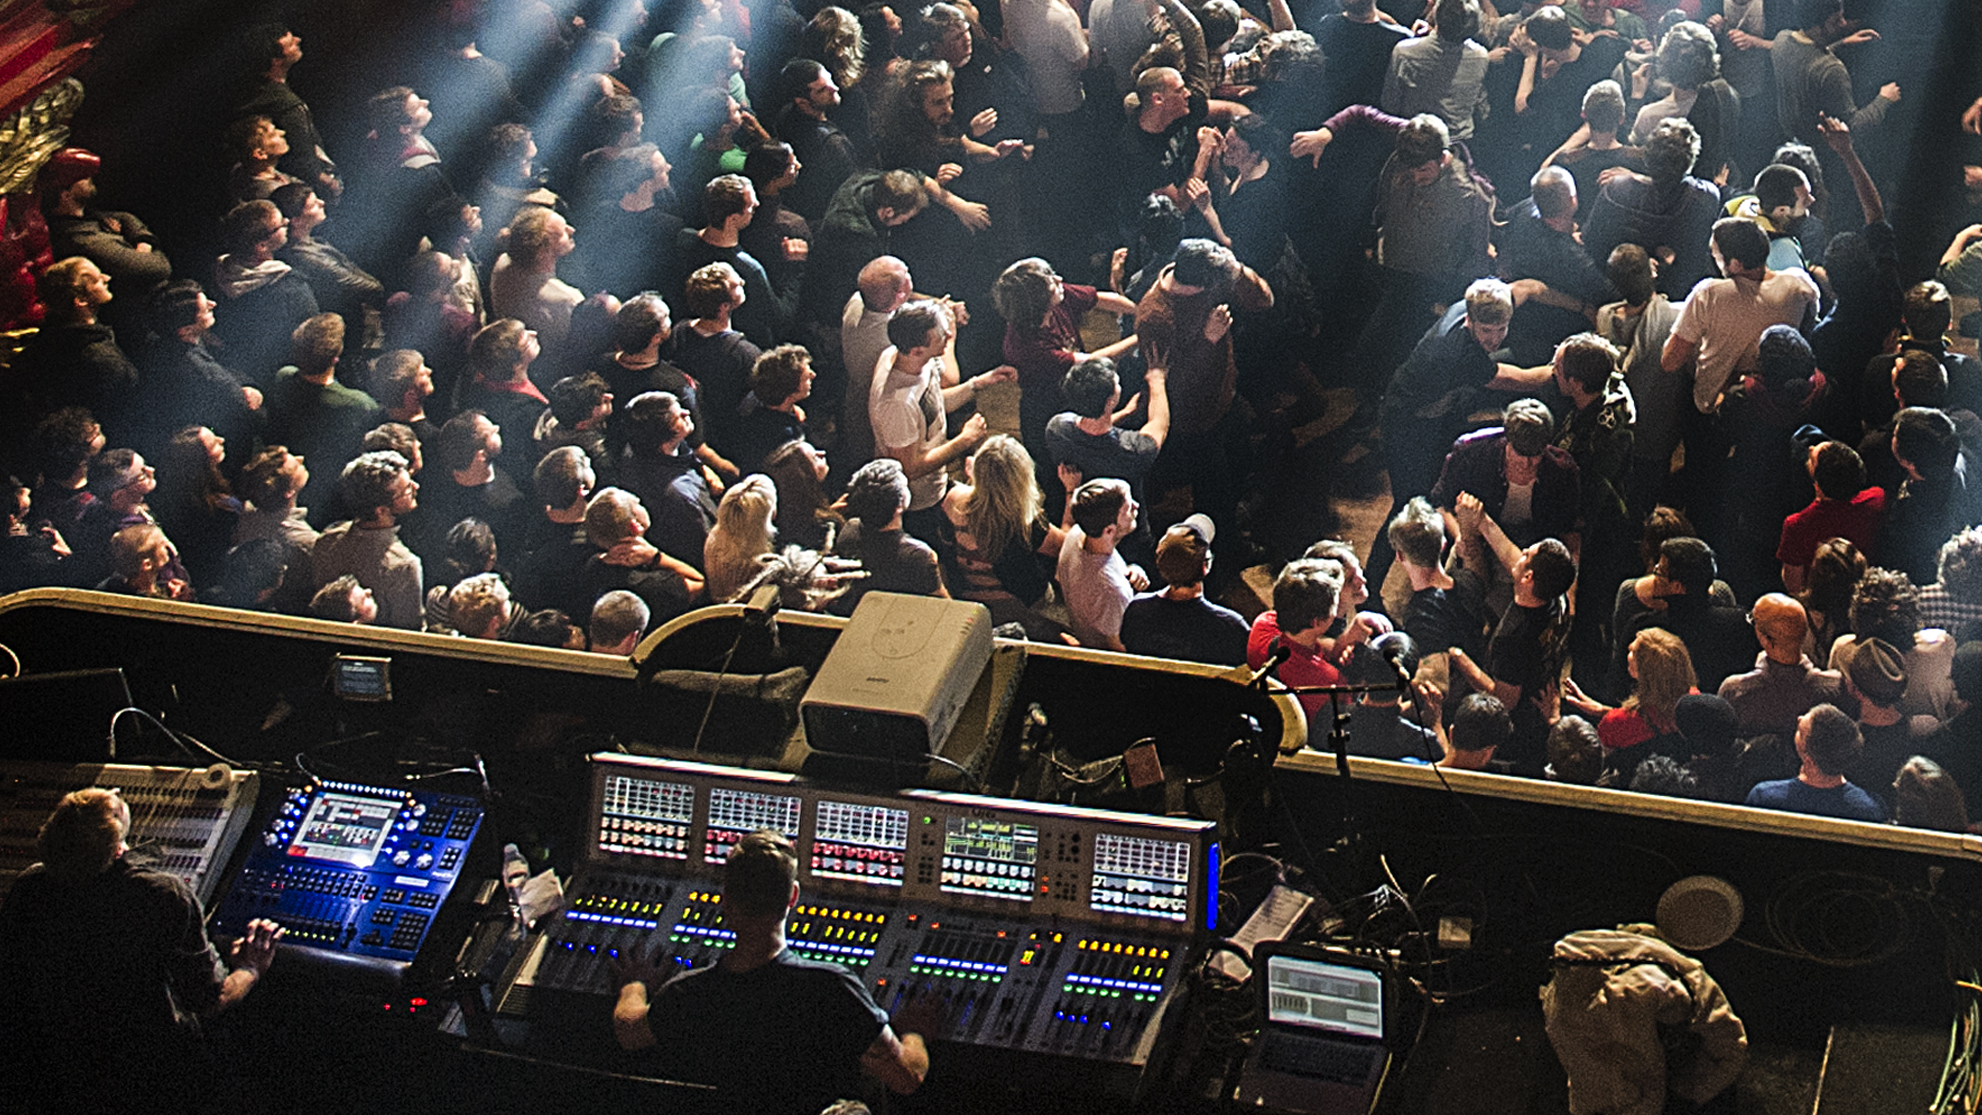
column 1178, row 621
column 1381, row 726
column 1095, row 581
column 1875, row 673
column 1827, row 745
column 1784, row 685
column 1708, row 725
column 119, row 243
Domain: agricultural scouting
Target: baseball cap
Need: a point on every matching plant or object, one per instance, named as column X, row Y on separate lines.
column 1180, row 553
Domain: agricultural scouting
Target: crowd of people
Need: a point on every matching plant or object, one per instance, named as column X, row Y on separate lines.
column 562, row 350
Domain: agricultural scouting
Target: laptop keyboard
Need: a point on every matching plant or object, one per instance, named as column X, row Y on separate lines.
column 1324, row 1060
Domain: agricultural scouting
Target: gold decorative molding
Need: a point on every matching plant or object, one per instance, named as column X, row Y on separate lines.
column 31, row 136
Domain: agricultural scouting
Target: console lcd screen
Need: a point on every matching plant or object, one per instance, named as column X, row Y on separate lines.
column 734, row 814
column 1140, row 876
column 357, row 677
column 344, row 828
column 861, row 843
column 991, row 858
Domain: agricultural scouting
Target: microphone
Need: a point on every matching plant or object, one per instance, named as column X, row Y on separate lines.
column 1393, row 652
column 1281, row 652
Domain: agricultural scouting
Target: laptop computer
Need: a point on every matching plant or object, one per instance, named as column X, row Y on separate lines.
column 1324, row 1046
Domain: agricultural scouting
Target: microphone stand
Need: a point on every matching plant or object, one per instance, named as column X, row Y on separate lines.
column 1338, row 742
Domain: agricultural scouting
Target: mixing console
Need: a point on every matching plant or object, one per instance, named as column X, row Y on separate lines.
column 1037, row 928
column 184, row 822
column 354, row 871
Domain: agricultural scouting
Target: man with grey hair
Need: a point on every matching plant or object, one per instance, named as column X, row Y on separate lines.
column 1527, row 485
column 619, row 619
column 884, row 285
column 1954, row 600
column 1557, row 287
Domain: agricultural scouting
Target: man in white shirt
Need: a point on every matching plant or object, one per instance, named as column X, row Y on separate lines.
column 1096, row 582
column 1718, row 333
column 917, row 383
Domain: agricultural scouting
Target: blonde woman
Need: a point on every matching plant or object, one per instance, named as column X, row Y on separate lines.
column 1661, row 670
column 1000, row 546
column 741, row 539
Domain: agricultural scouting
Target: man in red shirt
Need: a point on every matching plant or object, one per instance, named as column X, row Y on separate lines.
column 1844, row 508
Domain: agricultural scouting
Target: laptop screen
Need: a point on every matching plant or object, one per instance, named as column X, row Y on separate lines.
column 1316, row 994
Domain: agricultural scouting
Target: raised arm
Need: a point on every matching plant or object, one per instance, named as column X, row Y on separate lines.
column 1838, row 135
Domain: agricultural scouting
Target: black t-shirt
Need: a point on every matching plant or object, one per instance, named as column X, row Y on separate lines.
column 1440, row 619
column 781, row 1039
column 107, row 980
column 1195, row 630
column 894, row 562
column 1358, row 57
column 1518, row 655
column 1382, row 732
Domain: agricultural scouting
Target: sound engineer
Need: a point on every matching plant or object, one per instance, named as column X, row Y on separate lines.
column 111, row 972
column 776, row 1034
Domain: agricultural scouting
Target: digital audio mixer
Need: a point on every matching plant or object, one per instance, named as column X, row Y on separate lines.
column 1038, row 928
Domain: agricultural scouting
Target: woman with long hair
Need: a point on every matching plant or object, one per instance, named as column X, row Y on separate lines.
column 1043, row 315
column 737, row 545
column 1661, row 670
column 835, row 40
column 1827, row 591
column 798, row 470
column 998, row 544
column 194, row 502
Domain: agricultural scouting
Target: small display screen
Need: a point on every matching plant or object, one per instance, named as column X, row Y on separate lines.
column 344, row 828
column 1140, row 876
column 640, row 817
column 995, row 859
column 864, row 843
column 1334, row 997
column 734, row 814
column 358, row 678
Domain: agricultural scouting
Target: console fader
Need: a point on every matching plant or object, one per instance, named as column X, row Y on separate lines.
column 1041, row 928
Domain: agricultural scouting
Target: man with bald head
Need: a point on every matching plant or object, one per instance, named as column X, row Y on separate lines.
column 1784, row 685
column 884, row 286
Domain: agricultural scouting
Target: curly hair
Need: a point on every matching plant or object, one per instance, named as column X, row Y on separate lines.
column 834, row 39
column 1687, row 57
column 1960, row 570
column 1671, row 150
column 1886, row 606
